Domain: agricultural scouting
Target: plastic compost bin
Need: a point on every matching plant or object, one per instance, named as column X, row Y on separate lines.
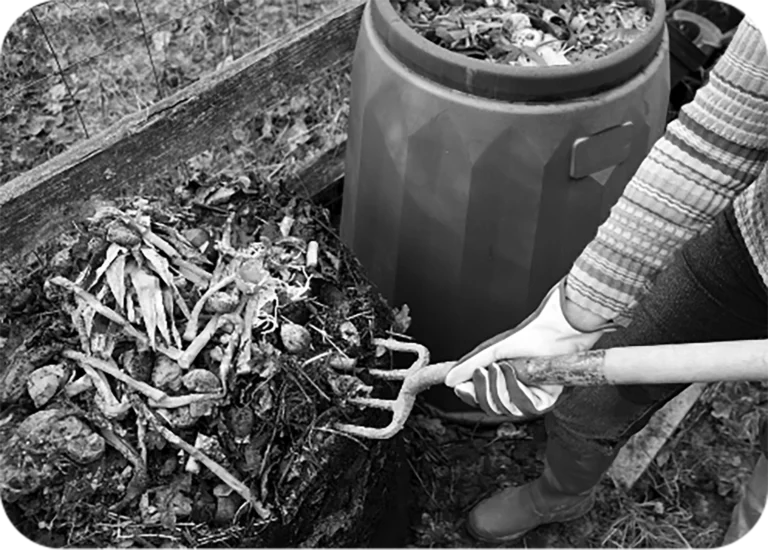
column 471, row 187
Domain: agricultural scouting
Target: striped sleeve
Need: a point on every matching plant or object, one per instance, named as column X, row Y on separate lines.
column 708, row 156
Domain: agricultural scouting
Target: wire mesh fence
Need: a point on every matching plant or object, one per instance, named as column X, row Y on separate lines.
column 71, row 68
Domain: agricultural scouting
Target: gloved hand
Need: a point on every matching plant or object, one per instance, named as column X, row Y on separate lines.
column 479, row 380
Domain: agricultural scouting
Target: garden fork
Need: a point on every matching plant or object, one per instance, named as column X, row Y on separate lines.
column 744, row 360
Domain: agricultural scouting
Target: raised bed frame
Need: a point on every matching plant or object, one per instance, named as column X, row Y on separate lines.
column 44, row 200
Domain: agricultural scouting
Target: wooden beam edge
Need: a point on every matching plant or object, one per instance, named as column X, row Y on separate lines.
column 641, row 449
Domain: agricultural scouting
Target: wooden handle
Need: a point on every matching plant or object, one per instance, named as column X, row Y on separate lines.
column 666, row 364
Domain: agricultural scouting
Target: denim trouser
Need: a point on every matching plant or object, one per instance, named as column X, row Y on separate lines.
column 711, row 291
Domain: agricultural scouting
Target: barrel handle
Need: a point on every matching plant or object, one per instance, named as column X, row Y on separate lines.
column 591, row 155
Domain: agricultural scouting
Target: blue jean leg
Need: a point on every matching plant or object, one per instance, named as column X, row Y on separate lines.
column 711, row 291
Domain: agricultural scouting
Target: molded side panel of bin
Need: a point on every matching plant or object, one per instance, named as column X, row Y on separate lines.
column 467, row 209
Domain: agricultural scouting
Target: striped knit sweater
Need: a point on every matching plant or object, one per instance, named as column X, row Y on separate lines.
column 715, row 153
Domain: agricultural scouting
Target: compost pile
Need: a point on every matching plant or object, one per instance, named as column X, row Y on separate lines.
column 135, row 399
column 527, row 33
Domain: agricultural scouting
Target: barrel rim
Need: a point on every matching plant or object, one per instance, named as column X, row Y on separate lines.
column 511, row 83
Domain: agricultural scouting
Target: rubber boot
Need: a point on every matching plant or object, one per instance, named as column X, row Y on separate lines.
column 564, row 491
column 748, row 516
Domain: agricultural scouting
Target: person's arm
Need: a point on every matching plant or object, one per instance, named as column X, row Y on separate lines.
column 710, row 154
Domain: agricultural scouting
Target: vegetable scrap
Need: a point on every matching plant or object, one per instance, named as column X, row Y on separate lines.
column 527, row 34
column 189, row 366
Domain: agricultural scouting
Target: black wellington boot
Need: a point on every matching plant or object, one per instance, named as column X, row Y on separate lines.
column 565, row 491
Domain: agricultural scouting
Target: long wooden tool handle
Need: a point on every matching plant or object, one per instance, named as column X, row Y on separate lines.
column 667, row 364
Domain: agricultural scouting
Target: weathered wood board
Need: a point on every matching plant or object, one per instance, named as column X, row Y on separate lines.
column 142, row 145
column 642, row 448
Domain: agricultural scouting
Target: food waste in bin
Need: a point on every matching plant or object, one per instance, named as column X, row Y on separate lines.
column 552, row 32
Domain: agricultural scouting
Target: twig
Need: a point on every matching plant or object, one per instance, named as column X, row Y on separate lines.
column 199, row 342
column 194, row 274
column 189, row 333
column 218, row 470
column 157, row 398
column 244, row 357
column 140, row 478
column 337, row 432
column 89, row 361
column 76, row 387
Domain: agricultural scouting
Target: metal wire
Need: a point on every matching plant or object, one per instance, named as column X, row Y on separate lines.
column 110, row 32
column 95, row 57
column 230, row 35
column 61, row 72
column 145, row 36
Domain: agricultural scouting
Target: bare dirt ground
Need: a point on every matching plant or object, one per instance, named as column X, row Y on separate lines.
column 111, row 70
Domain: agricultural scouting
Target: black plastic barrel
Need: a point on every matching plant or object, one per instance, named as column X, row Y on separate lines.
column 471, row 187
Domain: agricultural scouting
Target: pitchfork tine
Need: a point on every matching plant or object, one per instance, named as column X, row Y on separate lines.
column 415, row 379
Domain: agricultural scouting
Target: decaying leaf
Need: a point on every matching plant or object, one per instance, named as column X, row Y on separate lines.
column 226, row 508
column 263, row 401
column 180, row 417
column 201, row 381
column 138, row 364
column 345, row 385
column 621, row 35
column 241, row 421
column 350, row 334
column 115, row 276
column 113, row 252
column 158, row 264
column 147, row 289
column 402, row 320
column 197, row 237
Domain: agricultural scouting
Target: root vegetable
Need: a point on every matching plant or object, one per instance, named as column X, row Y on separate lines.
column 222, row 302
column 295, row 338
column 45, row 382
column 166, row 374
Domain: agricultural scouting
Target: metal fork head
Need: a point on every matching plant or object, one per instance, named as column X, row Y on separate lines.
column 401, row 406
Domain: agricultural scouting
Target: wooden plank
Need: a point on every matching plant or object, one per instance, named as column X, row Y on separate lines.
column 318, row 176
column 641, row 449
column 41, row 201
